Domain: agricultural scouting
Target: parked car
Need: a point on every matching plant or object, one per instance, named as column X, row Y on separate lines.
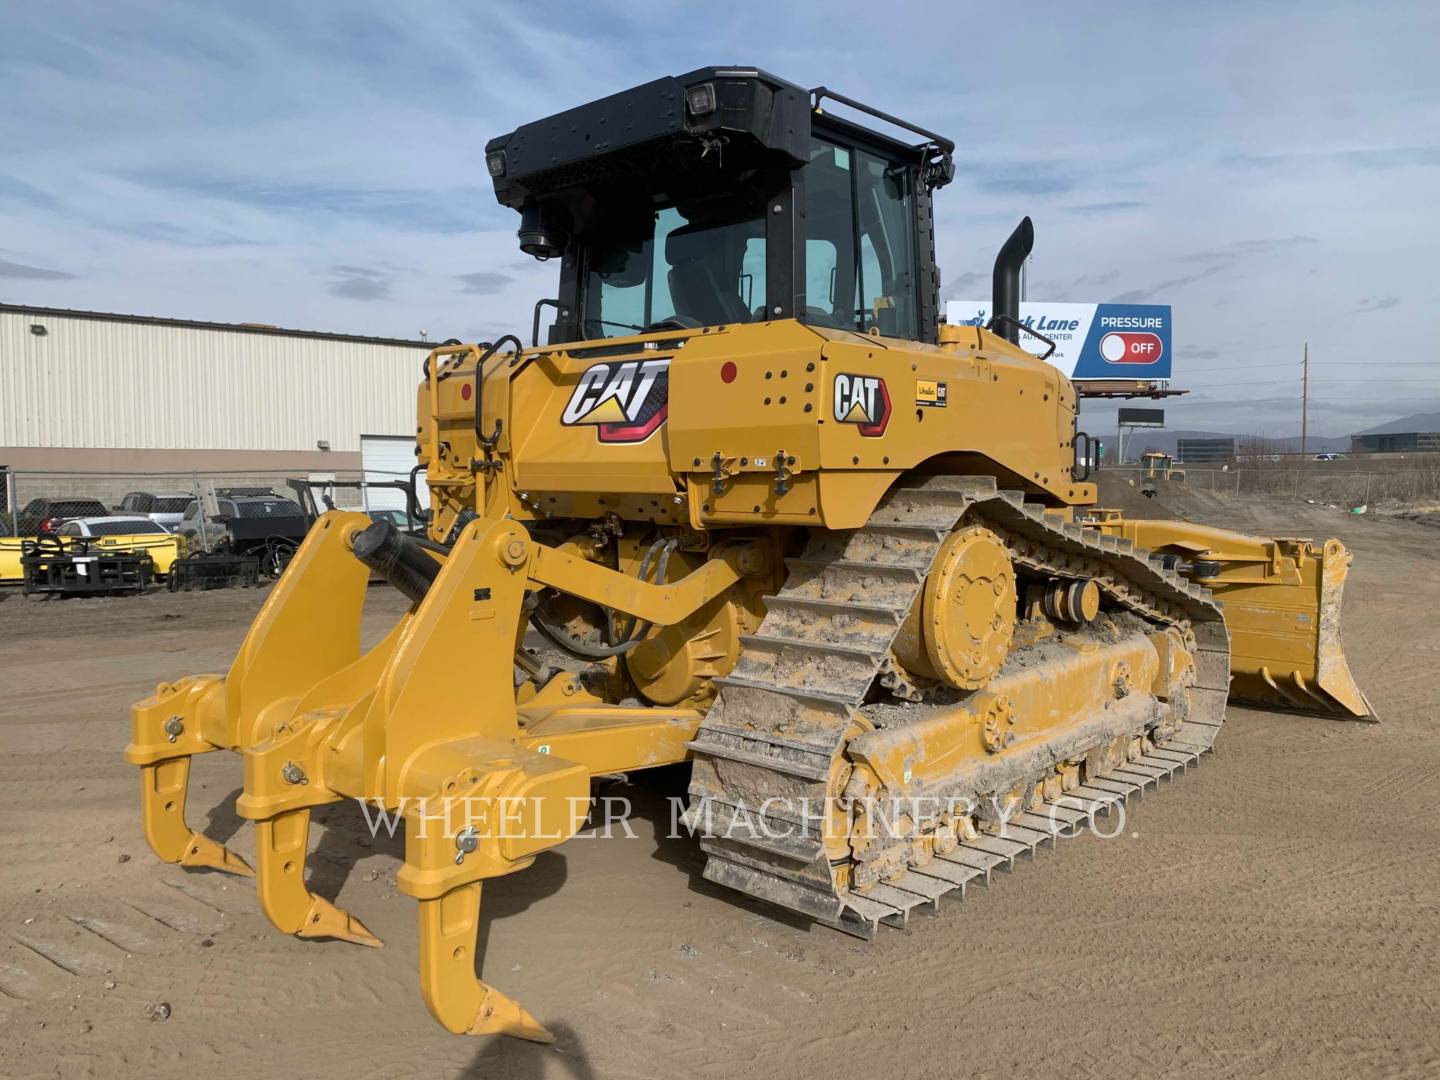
column 131, row 532
column 166, row 507
column 267, row 525
column 46, row 515
column 111, row 525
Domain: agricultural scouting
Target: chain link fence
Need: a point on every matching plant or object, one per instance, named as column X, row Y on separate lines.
column 30, row 499
column 1344, row 483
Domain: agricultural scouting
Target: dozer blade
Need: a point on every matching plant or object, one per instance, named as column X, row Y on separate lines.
column 1281, row 598
column 1285, row 641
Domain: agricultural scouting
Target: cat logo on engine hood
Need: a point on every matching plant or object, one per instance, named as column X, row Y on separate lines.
column 627, row 399
column 862, row 400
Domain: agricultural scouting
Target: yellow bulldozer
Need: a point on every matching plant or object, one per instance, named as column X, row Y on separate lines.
column 752, row 506
column 1157, row 465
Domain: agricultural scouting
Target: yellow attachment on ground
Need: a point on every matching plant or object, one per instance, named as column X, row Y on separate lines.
column 10, row 568
column 163, row 550
column 1282, row 602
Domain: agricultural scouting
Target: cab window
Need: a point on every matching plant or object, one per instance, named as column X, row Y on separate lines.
column 885, row 209
column 704, row 269
column 860, row 271
column 830, row 283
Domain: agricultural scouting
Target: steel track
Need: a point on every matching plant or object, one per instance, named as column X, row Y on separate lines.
column 764, row 754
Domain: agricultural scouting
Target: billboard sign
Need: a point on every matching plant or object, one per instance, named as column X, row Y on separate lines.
column 1092, row 341
column 1142, row 417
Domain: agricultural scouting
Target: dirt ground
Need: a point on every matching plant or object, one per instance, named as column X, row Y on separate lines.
column 1274, row 911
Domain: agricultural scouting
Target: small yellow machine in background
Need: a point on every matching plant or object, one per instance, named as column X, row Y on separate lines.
column 1157, row 465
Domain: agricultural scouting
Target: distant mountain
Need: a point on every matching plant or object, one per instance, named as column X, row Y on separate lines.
column 1425, row 421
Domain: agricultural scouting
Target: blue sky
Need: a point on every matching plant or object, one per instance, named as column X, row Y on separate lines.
column 1270, row 170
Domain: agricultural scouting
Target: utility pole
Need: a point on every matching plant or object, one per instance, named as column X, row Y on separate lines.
column 1305, row 403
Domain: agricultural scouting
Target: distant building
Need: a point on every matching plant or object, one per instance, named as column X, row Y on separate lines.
column 1397, row 442
column 94, row 391
column 1204, row 451
column 148, row 402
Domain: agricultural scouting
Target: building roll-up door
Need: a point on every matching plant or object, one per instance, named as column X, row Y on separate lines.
column 385, row 458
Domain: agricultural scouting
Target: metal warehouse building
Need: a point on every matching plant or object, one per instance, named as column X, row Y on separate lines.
column 89, row 392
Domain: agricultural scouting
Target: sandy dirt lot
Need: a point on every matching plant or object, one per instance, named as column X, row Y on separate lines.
column 1274, row 911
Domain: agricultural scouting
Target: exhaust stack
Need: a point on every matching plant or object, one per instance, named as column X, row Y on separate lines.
column 1005, row 283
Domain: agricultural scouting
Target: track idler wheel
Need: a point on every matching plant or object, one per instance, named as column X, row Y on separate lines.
column 959, row 629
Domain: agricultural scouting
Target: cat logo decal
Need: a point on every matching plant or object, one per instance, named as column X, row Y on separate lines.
column 862, row 400
column 626, row 400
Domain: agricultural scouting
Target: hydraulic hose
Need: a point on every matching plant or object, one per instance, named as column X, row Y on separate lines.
column 634, row 632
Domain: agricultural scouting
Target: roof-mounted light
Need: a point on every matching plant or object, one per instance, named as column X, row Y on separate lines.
column 700, row 99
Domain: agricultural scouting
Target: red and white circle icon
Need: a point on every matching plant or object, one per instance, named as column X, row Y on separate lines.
column 1130, row 348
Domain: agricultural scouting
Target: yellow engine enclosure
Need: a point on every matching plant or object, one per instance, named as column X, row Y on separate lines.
column 738, row 398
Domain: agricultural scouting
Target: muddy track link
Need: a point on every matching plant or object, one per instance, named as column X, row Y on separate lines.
column 767, row 747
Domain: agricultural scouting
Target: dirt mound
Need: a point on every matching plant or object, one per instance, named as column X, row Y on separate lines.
column 1185, row 501
column 1172, row 498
